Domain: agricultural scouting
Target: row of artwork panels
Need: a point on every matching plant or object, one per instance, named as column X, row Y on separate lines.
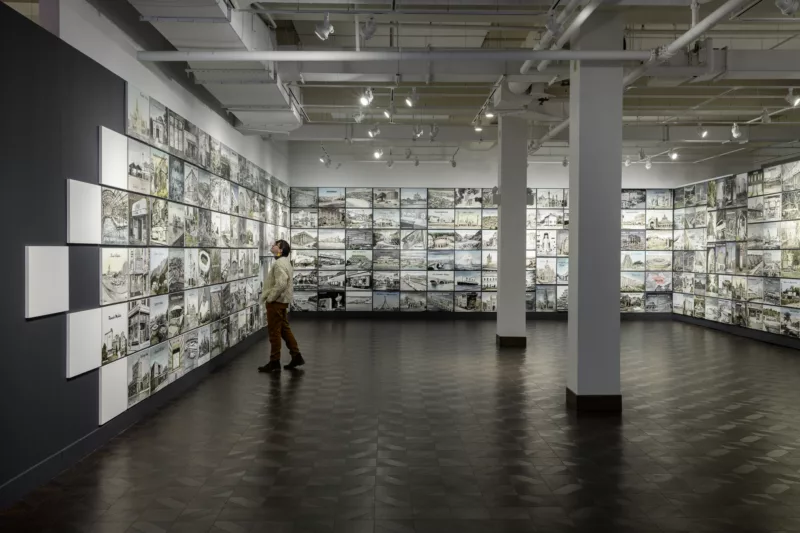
column 733, row 191
column 150, row 121
column 141, row 221
column 543, row 299
column 133, row 326
column 129, row 273
column 770, row 291
column 442, row 198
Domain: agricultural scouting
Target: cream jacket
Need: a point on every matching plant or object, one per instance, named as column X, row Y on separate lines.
column 278, row 287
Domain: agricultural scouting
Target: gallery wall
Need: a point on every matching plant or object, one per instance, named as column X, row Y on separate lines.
column 362, row 249
column 77, row 259
column 738, row 250
column 56, row 101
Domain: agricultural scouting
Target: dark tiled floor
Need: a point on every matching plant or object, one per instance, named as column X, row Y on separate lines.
column 426, row 427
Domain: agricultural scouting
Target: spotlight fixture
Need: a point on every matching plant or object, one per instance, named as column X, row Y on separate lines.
column 368, row 29
column 374, row 131
column 788, row 7
column 453, row 162
column 390, row 162
column 413, row 98
column 378, row 153
column 434, row 132
column 408, row 153
column 701, row 131
column 627, row 160
column 359, row 117
column 642, row 155
column 416, row 132
column 489, row 113
column 766, row 118
column 735, row 131
column 564, row 162
column 673, row 155
column 793, row 99
column 416, row 161
column 648, row 164
column 324, row 30
column 367, row 97
column 389, row 111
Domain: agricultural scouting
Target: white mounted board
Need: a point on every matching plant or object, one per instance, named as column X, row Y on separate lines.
column 46, row 280
column 113, row 159
column 113, row 390
column 83, row 342
column 83, row 213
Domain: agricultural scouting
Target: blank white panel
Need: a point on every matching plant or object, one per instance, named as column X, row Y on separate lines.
column 83, row 213
column 113, row 390
column 46, row 280
column 113, row 159
column 83, row 342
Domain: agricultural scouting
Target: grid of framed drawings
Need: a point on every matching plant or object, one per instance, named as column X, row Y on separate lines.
column 646, row 251
column 417, row 249
column 393, row 249
column 737, row 258
column 181, row 251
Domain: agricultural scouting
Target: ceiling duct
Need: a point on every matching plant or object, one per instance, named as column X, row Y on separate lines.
column 251, row 90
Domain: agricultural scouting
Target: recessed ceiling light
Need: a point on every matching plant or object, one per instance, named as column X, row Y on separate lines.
column 701, row 131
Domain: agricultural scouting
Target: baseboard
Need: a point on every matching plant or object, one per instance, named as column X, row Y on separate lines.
column 401, row 315
column 644, row 317
column 610, row 404
column 452, row 315
column 511, row 342
column 754, row 334
column 17, row 487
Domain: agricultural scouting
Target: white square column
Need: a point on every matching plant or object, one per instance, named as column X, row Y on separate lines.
column 512, row 180
column 595, row 181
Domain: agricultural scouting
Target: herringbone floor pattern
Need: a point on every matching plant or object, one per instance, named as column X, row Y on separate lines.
column 427, row 427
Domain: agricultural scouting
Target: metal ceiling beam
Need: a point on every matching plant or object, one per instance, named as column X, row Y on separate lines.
column 399, row 55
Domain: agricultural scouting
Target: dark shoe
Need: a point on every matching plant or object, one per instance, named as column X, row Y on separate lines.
column 272, row 366
column 297, row 360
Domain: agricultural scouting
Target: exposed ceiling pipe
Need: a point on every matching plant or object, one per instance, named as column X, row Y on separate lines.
column 572, row 30
column 661, row 55
column 398, row 12
column 544, row 43
column 396, row 55
column 665, row 53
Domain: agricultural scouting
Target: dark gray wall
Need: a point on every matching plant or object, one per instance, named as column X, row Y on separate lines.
column 54, row 99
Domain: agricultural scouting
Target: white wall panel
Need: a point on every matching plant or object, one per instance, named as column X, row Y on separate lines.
column 113, row 390
column 46, row 280
column 113, row 159
column 83, row 213
column 83, row 342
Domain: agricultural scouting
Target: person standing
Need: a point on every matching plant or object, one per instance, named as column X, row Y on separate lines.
column 277, row 295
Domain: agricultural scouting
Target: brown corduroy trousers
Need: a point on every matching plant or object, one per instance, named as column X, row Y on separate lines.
column 278, row 328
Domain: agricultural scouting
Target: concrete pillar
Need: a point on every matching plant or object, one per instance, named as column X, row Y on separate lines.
column 595, row 180
column 512, row 180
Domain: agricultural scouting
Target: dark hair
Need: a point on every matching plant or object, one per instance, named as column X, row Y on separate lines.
column 285, row 248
